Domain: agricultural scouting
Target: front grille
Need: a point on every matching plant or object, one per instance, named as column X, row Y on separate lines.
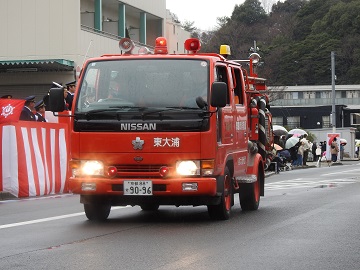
column 137, row 168
column 138, row 171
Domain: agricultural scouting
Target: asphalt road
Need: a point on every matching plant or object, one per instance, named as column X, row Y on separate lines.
column 308, row 219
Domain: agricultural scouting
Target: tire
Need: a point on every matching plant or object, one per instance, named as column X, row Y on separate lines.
column 97, row 212
column 262, row 131
column 222, row 211
column 249, row 195
column 149, row 207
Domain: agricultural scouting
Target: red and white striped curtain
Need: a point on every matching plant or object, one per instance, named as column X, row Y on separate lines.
column 34, row 158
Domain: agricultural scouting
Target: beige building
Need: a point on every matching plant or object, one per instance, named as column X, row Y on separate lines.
column 175, row 34
column 49, row 40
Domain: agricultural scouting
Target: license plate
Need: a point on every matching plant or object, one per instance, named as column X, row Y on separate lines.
column 137, row 187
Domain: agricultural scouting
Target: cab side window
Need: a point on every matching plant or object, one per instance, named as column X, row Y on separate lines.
column 238, row 90
column 222, row 76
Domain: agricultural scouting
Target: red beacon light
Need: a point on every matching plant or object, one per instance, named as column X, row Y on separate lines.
column 192, row 45
column 161, row 46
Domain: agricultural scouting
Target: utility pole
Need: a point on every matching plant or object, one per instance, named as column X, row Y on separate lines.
column 333, row 110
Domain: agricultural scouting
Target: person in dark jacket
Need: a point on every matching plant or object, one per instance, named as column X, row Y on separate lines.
column 323, row 148
column 313, row 150
column 71, row 87
column 27, row 112
column 40, row 111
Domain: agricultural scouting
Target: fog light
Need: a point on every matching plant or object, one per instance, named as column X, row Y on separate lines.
column 189, row 186
column 111, row 171
column 88, row 186
column 164, row 171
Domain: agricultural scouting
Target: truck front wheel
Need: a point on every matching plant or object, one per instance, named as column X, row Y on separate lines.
column 249, row 195
column 97, row 211
column 222, row 211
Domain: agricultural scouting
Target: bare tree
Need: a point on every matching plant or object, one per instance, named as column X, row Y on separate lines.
column 275, row 92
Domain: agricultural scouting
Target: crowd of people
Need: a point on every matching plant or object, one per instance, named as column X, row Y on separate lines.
column 298, row 154
column 35, row 111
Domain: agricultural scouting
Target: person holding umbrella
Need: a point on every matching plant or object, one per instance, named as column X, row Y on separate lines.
column 343, row 142
column 306, row 148
column 334, row 150
column 292, row 144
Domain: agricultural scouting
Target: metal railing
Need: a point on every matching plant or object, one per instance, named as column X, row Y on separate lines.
column 112, row 36
column 314, row 101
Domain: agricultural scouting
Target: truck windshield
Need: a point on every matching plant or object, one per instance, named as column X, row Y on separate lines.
column 142, row 83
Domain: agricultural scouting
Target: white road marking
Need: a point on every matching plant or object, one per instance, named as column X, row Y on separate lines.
column 341, row 172
column 299, row 183
column 49, row 219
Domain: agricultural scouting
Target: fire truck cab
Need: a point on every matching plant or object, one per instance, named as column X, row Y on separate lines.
column 155, row 128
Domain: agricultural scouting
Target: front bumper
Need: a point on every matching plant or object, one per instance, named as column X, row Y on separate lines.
column 161, row 187
column 165, row 192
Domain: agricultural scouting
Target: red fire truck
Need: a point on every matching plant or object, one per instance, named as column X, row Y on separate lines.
column 154, row 128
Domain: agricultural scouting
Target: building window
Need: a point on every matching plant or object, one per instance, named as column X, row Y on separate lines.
column 300, row 95
column 317, row 94
column 278, row 120
column 295, row 95
column 293, row 122
column 343, row 94
column 326, row 121
column 352, row 94
column 355, row 119
column 325, row 95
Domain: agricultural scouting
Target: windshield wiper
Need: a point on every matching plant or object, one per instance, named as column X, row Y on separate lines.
column 112, row 109
column 128, row 107
column 183, row 108
column 166, row 109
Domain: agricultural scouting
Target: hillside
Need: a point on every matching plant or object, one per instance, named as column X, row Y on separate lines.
column 295, row 39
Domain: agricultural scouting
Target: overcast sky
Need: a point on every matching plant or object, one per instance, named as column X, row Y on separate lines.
column 202, row 12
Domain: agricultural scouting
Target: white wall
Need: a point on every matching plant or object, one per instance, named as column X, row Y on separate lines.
column 155, row 7
column 39, row 29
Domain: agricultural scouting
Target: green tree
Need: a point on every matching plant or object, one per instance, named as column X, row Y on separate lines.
column 289, row 6
column 249, row 13
column 295, row 39
column 309, row 14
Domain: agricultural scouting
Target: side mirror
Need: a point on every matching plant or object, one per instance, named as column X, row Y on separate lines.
column 218, row 94
column 56, row 99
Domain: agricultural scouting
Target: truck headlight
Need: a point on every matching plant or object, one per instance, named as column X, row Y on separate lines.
column 86, row 168
column 188, row 167
column 92, row 167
